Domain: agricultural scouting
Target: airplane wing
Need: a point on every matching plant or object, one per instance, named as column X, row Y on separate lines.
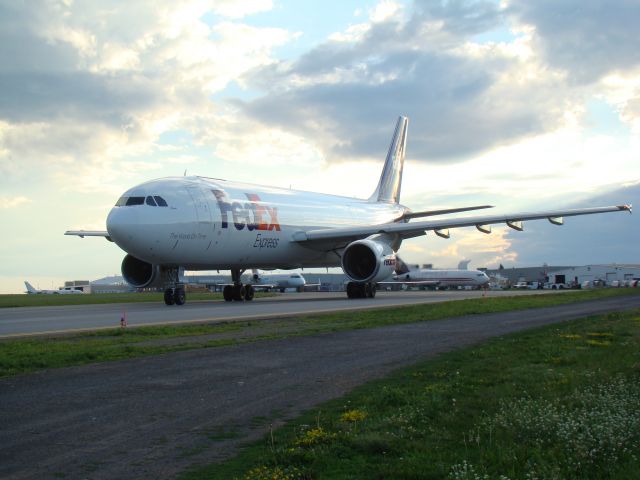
column 335, row 237
column 89, row 233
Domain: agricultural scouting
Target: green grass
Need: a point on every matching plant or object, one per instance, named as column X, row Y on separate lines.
column 32, row 354
column 556, row 402
column 7, row 301
column 24, row 355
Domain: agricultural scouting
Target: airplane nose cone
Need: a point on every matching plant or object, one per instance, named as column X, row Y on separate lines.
column 122, row 224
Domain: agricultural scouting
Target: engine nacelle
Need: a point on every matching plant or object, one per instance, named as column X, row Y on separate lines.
column 140, row 274
column 368, row 261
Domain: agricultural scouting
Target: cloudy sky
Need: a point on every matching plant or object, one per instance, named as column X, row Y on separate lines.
column 519, row 104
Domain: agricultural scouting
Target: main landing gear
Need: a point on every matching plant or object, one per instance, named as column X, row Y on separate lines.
column 174, row 294
column 237, row 291
column 361, row 290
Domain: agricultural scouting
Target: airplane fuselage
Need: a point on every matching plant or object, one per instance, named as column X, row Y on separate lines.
column 200, row 223
column 446, row 278
column 279, row 280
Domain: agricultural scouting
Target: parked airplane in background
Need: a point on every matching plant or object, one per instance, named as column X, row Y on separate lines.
column 436, row 278
column 61, row 291
column 200, row 223
column 278, row 281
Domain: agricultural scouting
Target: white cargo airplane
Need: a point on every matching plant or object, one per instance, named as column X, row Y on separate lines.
column 437, row 278
column 62, row 291
column 200, row 223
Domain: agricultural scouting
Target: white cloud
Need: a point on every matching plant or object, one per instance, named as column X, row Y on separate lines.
column 13, row 202
column 385, row 10
column 241, row 8
column 126, row 74
column 260, row 146
column 483, row 250
column 588, row 39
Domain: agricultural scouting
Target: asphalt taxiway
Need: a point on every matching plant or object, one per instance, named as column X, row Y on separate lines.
column 49, row 320
column 153, row 417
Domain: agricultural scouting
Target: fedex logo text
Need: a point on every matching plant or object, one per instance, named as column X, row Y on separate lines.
column 253, row 214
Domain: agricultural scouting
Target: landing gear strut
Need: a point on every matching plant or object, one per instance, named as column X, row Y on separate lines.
column 237, row 291
column 361, row 290
column 174, row 293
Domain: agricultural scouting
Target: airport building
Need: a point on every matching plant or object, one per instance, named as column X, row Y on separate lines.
column 82, row 285
column 606, row 274
column 612, row 275
column 112, row 284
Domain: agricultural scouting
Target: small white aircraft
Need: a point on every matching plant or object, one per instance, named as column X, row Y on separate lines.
column 200, row 223
column 62, row 291
column 278, row 281
column 436, row 278
column 275, row 281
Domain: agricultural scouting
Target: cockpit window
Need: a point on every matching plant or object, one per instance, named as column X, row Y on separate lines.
column 160, row 201
column 131, row 201
column 151, row 200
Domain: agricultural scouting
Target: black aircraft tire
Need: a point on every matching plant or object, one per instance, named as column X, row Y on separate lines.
column 227, row 293
column 168, row 297
column 179, row 296
column 249, row 292
column 239, row 293
column 352, row 290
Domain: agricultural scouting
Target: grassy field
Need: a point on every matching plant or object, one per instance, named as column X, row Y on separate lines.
column 23, row 355
column 7, row 301
column 560, row 402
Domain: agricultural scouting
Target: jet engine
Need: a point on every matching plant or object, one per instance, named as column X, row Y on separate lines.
column 139, row 273
column 368, row 261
